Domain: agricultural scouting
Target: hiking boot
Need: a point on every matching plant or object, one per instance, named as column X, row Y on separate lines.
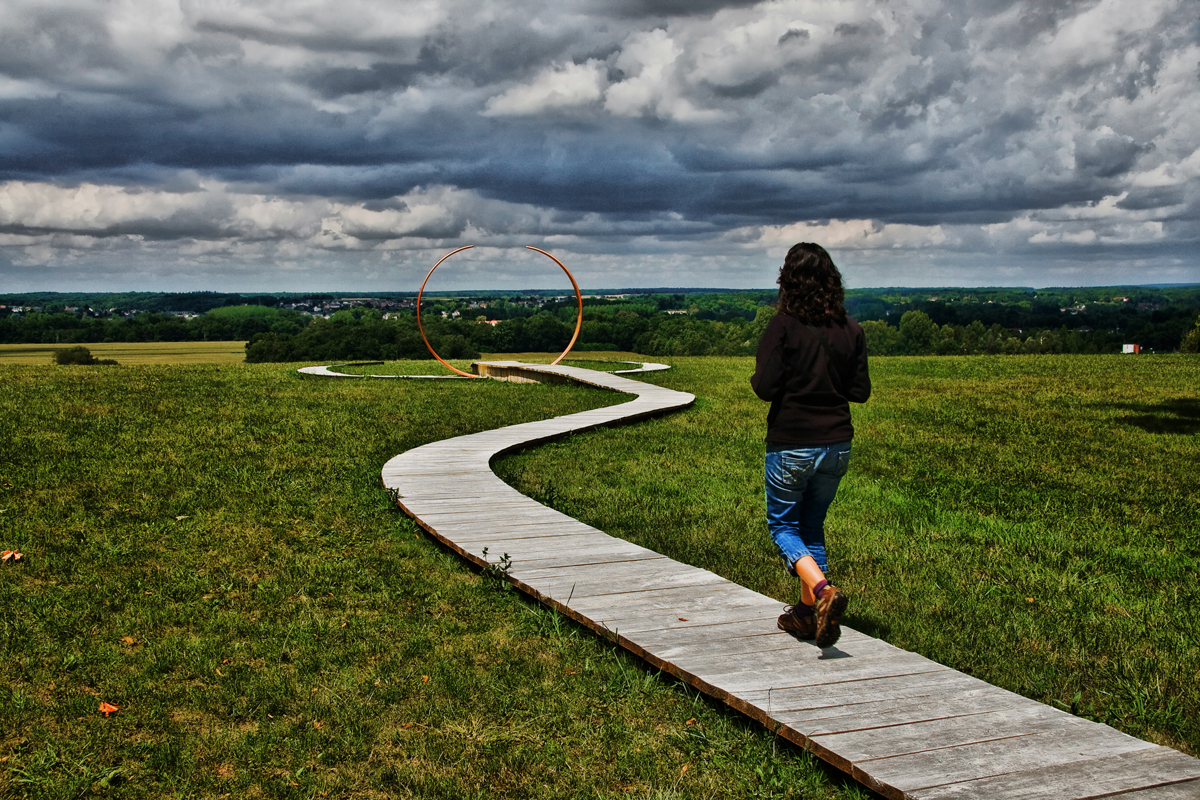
column 830, row 608
column 804, row 627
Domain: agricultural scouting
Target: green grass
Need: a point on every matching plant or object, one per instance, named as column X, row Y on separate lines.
column 1032, row 521
column 210, row 548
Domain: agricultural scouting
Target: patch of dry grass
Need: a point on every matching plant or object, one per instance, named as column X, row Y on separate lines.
column 132, row 353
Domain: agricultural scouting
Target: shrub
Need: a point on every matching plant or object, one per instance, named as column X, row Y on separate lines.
column 1191, row 340
column 79, row 355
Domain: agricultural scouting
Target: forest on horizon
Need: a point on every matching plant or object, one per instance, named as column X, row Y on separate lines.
column 898, row 321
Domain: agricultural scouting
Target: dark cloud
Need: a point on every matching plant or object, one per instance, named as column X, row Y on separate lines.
column 381, row 76
column 1107, row 155
column 972, row 128
column 794, row 35
column 668, row 8
column 1148, row 198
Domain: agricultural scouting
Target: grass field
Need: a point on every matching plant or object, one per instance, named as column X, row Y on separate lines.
column 208, row 547
column 1032, row 521
column 132, row 352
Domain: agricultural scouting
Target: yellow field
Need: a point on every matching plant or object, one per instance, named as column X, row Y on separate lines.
column 132, row 352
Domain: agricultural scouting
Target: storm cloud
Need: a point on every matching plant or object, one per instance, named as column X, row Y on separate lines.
column 275, row 146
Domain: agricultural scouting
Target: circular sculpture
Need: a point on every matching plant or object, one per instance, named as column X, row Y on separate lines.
column 578, row 299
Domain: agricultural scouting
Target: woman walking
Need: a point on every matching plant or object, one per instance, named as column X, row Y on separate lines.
column 811, row 364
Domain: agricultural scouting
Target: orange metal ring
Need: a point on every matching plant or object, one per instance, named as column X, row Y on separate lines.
column 578, row 300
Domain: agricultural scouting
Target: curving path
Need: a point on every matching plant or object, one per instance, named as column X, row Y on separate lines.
column 906, row 726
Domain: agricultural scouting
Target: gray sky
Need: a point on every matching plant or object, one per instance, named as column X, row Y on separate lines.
column 277, row 145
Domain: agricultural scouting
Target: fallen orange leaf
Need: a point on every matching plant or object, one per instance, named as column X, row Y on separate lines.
column 683, row 619
column 128, row 640
column 690, row 721
column 425, row 679
column 108, row 708
column 11, row 555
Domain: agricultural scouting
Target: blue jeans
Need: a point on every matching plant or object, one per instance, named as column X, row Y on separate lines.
column 801, row 483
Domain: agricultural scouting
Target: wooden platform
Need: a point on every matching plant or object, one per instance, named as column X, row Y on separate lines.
column 901, row 724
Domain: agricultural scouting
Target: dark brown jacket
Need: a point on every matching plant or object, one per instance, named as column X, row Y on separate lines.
column 810, row 392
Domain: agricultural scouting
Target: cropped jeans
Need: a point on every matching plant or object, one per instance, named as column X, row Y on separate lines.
column 801, row 483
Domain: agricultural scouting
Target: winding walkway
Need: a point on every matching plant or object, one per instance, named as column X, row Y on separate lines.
column 899, row 723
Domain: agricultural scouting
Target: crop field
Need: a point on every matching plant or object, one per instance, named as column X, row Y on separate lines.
column 208, row 548
column 132, row 352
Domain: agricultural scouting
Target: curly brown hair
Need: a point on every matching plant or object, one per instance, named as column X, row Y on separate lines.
column 810, row 286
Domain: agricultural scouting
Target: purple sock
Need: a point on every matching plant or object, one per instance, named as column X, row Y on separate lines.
column 819, row 589
column 802, row 610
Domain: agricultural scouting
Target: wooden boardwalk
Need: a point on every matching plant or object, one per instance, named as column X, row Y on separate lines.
column 899, row 723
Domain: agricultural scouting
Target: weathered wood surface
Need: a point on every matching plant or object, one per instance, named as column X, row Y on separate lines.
column 328, row 371
column 898, row 722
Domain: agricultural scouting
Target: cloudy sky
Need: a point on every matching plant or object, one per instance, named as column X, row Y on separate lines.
column 295, row 145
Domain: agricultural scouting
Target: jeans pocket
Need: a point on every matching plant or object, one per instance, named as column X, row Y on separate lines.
column 843, row 463
column 797, row 468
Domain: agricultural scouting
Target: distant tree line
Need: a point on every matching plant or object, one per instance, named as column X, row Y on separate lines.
column 896, row 322
column 1084, row 320
column 918, row 334
column 225, row 324
column 366, row 334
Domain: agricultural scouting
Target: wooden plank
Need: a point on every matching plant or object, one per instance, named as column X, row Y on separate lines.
column 755, row 619
column 485, row 496
column 428, row 507
column 498, row 506
column 661, row 620
column 1177, row 791
column 580, row 553
column 610, row 581
column 788, row 659
column 634, row 577
column 868, row 689
column 527, row 515
column 586, row 545
column 712, row 632
column 619, row 575
column 499, row 531
column 1123, row 775
column 1007, row 721
column 974, row 704
column 558, row 551
column 908, row 773
column 849, row 706
column 725, row 596
column 800, row 664
column 811, row 671
column 832, row 699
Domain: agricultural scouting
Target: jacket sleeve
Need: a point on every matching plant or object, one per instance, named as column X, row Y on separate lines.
column 860, row 388
column 769, row 377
